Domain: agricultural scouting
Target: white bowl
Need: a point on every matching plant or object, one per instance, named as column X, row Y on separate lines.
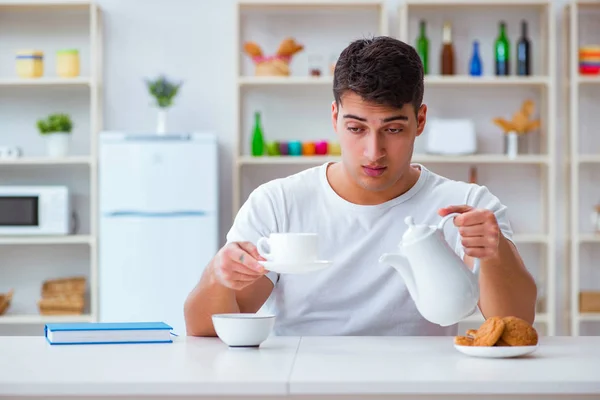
column 243, row 330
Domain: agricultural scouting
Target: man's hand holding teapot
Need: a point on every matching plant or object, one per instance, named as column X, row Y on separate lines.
column 478, row 228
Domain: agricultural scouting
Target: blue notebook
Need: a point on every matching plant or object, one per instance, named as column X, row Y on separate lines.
column 108, row 333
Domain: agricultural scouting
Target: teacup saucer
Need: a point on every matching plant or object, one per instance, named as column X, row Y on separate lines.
column 295, row 268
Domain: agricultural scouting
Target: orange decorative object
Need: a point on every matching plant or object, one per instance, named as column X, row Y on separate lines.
column 308, row 149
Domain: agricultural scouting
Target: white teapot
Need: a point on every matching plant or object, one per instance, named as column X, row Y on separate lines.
column 443, row 288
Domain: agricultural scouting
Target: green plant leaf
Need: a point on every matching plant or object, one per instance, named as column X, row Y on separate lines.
column 163, row 90
column 55, row 123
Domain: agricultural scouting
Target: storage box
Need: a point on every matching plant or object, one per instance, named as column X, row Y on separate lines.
column 589, row 301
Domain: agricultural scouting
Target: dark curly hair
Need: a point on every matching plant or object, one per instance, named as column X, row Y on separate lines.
column 382, row 70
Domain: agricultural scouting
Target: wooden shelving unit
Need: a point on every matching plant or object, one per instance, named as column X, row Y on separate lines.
column 542, row 83
column 367, row 14
column 34, row 168
column 582, row 27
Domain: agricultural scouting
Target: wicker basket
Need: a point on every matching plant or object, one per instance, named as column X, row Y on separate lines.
column 63, row 286
column 61, row 305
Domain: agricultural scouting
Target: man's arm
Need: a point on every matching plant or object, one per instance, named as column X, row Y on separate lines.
column 506, row 287
column 225, row 287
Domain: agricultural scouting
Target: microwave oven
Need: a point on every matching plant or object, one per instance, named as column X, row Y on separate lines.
column 34, row 210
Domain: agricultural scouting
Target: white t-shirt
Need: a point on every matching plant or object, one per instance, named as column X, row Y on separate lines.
column 357, row 295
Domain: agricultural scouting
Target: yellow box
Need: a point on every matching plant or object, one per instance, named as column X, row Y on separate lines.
column 67, row 63
column 30, row 63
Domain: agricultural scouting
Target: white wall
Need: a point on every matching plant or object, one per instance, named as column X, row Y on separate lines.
column 194, row 41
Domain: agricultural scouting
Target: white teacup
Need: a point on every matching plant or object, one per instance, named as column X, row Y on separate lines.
column 289, row 247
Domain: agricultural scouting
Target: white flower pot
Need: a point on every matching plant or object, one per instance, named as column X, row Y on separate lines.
column 57, row 144
column 512, row 145
column 161, row 125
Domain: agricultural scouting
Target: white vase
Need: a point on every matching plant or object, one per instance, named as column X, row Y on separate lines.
column 57, row 144
column 512, row 145
column 161, row 123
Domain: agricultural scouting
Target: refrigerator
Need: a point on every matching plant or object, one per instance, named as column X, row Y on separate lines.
column 158, row 223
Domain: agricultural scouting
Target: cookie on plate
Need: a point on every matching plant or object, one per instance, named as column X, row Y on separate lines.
column 463, row 340
column 518, row 332
column 489, row 332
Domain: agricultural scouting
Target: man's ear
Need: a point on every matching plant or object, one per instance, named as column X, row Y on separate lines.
column 334, row 115
column 421, row 119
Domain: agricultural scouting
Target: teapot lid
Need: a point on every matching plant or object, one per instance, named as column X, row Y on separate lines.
column 415, row 232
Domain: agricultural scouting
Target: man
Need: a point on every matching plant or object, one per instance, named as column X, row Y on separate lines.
column 358, row 207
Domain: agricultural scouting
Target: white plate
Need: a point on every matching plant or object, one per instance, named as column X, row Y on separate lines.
column 496, row 351
column 295, row 268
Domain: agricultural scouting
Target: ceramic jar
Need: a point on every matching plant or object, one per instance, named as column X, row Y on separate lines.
column 67, row 63
column 30, row 63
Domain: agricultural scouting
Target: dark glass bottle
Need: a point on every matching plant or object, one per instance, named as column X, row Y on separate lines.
column 423, row 47
column 447, row 51
column 524, row 52
column 502, row 52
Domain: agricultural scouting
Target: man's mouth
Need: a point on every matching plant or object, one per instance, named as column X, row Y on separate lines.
column 374, row 170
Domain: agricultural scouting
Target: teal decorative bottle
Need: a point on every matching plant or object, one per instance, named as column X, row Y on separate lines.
column 258, row 140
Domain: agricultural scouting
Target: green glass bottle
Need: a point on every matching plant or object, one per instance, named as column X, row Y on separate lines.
column 258, row 141
column 502, row 52
column 423, row 47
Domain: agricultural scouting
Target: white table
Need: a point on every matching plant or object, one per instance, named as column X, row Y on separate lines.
column 299, row 368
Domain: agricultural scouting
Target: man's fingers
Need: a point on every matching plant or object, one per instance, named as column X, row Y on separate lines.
column 251, row 249
column 461, row 208
column 475, row 217
column 236, row 276
column 239, row 255
column 242, row 269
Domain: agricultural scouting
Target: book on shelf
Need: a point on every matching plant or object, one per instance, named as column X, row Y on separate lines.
column 108, row 333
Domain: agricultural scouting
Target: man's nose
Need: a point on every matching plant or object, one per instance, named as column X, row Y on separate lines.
column 374, row 147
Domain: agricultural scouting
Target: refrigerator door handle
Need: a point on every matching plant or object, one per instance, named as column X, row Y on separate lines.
column 156, row 214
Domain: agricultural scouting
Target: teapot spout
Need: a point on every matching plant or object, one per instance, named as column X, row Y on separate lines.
column 399, row 262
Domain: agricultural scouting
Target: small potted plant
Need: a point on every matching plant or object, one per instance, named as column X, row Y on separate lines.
column 56, row 129
column 164, row 91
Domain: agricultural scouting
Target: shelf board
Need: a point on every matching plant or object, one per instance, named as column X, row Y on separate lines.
column 477, row 317
column 43, row 319
column 44, row 3
column 311, row 3
column 530, row 238
column 47, row 161
column 592, row 317
column 467, row 80
column 588, row 79
column 457, row 3
column 430, row 80
column 39, row 240
column 589, row 238
column 43, row 81
column 285, row 80
column 588, row 158
column 418, row 158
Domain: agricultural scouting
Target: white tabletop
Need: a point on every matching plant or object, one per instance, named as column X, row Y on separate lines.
column 358, row 366
column 188, row 366
column 427, row 365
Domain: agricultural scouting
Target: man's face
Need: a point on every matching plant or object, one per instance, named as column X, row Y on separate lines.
column 377, row 141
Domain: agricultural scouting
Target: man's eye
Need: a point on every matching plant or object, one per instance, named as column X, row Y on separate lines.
column 353, row 129
column 394, row 130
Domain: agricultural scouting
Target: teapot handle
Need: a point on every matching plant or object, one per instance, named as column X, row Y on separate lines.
column 441, row 227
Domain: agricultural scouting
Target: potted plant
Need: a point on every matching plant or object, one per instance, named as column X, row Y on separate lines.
column 164, row 91
column 56, row 129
